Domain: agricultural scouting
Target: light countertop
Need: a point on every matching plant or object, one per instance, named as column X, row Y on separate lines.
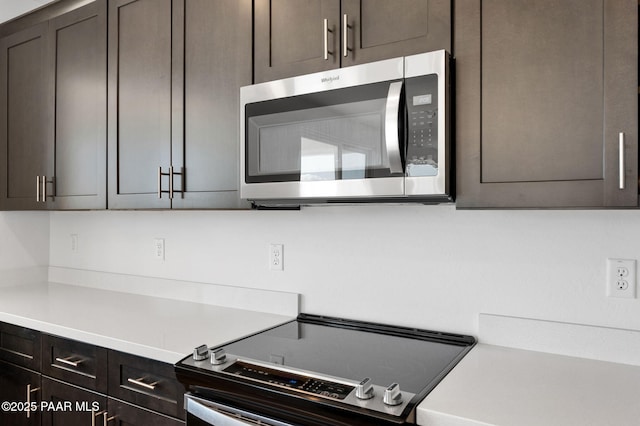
column 501, row 386
column 157, row 328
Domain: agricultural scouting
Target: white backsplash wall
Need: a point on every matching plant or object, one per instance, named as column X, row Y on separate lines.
column 24, row 246
column 424, row 266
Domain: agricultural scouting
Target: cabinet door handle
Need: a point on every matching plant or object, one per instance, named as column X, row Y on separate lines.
column 159, row 182
column 139, row 382
column 106, row 419
column 29, row 392
column 68, row 361
column 171, row 182
column 345, row 33
column 95, row 415
column 41, row 188
column 326, row 31
column 621, row 178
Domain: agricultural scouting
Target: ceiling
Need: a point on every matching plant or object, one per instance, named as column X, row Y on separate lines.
column 10, row 9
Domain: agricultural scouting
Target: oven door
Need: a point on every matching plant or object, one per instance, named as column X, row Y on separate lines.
column 302, row 140
column 202, row 412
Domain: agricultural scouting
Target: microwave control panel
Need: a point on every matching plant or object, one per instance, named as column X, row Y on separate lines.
column 421, row 94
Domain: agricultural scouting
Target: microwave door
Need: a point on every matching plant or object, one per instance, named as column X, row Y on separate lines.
column 337, row 144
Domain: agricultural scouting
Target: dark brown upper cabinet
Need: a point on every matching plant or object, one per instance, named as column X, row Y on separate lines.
column 53, row 113
column 25, row 119
column 546, row 105
column 78, row 66
column 294, row 37
column 175, row 69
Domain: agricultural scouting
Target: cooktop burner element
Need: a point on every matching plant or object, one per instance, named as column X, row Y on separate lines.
column 318, row 367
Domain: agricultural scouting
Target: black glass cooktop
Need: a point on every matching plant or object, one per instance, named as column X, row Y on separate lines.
column 355, row 350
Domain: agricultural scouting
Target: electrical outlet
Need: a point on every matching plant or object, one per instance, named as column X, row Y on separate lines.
column 158, row 245
column 621, row 278
column 276, row 257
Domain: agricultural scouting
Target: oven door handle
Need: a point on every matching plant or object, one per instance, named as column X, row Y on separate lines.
column 391, row 127
column 220, row 415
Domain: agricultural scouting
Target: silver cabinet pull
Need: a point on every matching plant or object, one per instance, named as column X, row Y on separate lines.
column 621, row 178
column 171, row 182
column 95, row 415
column 139, row 382
column 171, row 175
column 41, row 188
column 345, row 35
column 29, row 392
column 326, row 31
column 68, row 361
column 106, row 419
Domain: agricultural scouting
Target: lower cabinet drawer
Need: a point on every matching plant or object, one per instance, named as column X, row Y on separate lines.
column 20, row 346
column 75, row 362
column 148, row 383
column 64, row 404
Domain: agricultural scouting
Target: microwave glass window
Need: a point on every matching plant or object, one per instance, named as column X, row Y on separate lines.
column 318, row 160
column 327, row 141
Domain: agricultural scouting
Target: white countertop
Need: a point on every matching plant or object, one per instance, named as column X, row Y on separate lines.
column 502, row 386
column 157, row 328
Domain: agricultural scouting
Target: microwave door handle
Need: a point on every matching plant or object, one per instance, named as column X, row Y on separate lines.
column 391, row 126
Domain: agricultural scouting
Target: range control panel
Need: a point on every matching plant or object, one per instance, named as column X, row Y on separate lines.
column 290, row 380
column 422, row 126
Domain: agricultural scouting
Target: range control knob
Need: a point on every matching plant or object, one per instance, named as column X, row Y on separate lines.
column 218, row 356
column 364, row 389
column 201, row 353
column 392, row 395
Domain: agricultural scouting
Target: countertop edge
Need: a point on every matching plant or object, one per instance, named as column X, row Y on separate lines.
column 38, row 306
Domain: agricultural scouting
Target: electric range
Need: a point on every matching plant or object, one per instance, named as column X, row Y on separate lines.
column 319, row 371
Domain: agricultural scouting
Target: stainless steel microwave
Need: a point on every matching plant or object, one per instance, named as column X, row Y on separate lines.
column 373, row 132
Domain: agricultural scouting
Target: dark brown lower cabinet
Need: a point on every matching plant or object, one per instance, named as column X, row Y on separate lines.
column 123, row 414
column 147, row 383
column 65, row 382
column 69, row 405
column 19, row 388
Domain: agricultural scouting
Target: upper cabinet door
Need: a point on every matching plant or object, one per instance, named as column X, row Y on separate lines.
column 78, row 66
column 217, row 62
column 373, row 30
column 139, row 102
column 546, row 96
column 25, row 120
column 291, row 38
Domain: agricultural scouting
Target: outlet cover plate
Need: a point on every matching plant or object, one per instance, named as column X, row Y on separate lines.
column 621, row 278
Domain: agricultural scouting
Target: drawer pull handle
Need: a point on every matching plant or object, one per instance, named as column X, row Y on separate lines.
column 68, row 361
column 139, row 382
